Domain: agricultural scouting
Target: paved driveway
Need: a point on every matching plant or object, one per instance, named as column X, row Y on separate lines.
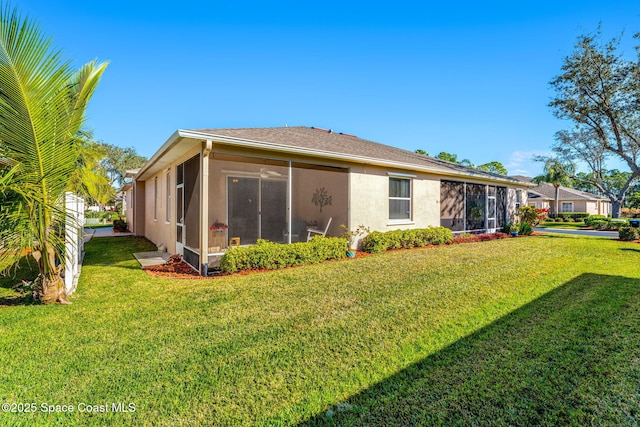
column 613, row 234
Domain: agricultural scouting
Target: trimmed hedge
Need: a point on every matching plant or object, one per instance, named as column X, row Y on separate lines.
column 574, row 215
column 378, row 241
column 265, row 255
column 628, row 233
column 607, row 223
column 592, row 218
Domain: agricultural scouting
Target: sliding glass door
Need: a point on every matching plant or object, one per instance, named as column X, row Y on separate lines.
column 257, row 209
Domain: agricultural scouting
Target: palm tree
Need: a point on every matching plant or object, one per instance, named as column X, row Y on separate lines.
column 42, row 105
column 89, row 179
column 557, row 174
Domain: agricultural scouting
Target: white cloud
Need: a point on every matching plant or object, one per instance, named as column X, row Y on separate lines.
column 522, row 163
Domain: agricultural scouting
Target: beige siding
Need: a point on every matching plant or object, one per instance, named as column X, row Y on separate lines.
column 158, row 230
column 369, row 200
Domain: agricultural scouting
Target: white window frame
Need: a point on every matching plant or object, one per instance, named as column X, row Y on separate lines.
column 566, row 203
column 409, row 178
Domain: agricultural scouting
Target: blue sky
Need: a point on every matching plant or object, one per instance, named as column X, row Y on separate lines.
column 469, row 78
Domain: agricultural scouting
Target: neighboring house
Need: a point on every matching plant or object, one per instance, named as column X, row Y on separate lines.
column 127, row 195
column 204, row 187
column 569, row 199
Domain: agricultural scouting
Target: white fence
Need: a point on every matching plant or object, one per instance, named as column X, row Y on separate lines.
column 74, row 243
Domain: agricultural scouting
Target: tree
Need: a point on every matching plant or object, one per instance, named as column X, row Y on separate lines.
column 599, row 92
column 453, row 158
column 556, row 174
column 89, row 179
column 42, row 105
column 448, row 157
column 494, row 167
column 117, row 161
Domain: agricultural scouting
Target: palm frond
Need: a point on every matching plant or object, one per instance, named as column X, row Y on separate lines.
column 42, row 104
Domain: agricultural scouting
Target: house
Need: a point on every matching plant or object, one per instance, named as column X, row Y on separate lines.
column 206, row 188
column 569, row 199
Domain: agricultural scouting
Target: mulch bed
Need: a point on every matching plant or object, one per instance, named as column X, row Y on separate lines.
column 173, row 270
column 182, row 270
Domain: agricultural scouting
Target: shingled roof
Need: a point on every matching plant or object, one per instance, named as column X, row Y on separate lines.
column 547, row 191
column 322, row 141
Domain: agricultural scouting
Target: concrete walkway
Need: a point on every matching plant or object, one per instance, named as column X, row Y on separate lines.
column 610, row 234
column 147, row 259
column 102, row 232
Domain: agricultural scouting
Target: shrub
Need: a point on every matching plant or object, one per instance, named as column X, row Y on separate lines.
column 378, row 241
column 569, row 219
column 270, row 256
column 600, row 224
column 617, row 223
column 579, row 215
column 120, row 225
column 525, row 228
column 592, row 218
column 574, row 215
column 530, row 215
column 508, row 228
column 628, row 233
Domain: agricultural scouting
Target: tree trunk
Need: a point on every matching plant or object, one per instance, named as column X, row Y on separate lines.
column 51, row 290
column 616, row 205
column 48, row 287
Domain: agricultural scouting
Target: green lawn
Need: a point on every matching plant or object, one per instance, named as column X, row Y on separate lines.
column 540, row 330
column 567, row 225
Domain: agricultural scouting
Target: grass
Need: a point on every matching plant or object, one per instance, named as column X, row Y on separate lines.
column 530, row 331
column 564, row 225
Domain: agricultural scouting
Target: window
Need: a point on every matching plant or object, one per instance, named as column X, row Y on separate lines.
column 518, row 198
column 155, row 198
column 399, row 198
column 566, row 207
column 168, row 198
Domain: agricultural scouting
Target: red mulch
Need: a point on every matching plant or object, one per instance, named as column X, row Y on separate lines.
column 173, row 270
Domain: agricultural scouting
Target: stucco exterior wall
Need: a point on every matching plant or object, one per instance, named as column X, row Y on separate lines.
column 139, row 208
column 158, row 230
column 369, row 200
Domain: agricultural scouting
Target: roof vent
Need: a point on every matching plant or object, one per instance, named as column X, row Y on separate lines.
column 330, row 131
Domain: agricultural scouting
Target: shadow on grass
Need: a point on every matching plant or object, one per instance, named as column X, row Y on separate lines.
column 12, row 276
column 567, row 358
column 630, row 249
column 106, row 251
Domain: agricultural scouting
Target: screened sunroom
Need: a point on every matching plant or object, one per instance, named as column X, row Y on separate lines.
column 472, row 207
column 251, row 198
